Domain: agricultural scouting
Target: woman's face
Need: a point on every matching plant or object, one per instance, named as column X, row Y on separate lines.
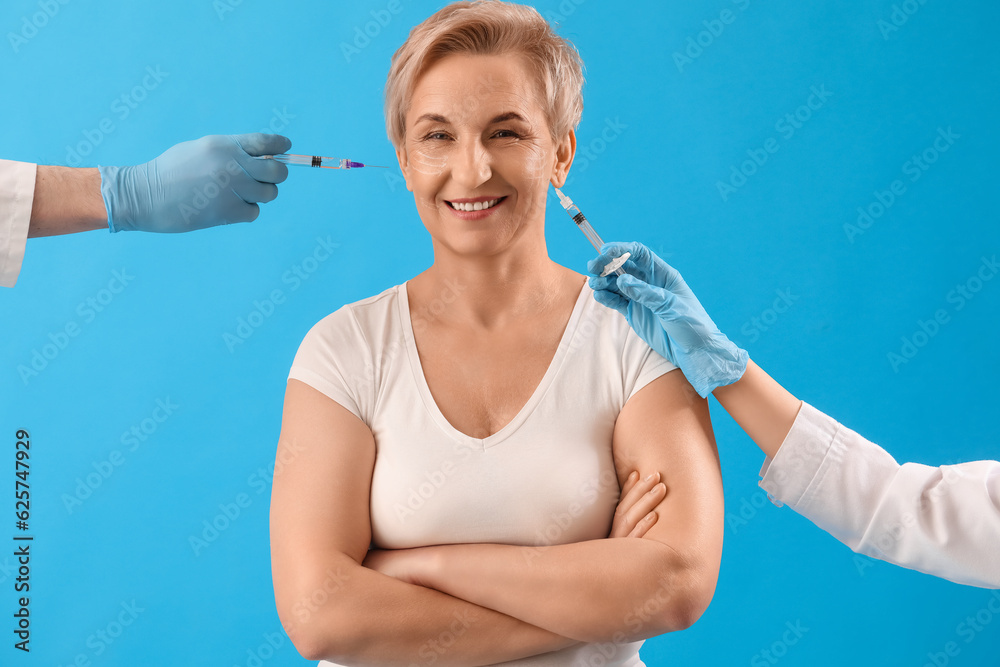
column 477, row 137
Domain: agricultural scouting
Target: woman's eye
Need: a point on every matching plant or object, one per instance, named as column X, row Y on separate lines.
column 507, row 134
column 436, row 135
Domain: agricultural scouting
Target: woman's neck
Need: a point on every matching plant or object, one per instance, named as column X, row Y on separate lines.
column 488, row 295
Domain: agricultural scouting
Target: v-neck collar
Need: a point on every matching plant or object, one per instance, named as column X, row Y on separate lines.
column 425, row 393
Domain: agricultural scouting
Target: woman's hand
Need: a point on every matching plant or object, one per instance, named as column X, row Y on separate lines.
column 634, row 514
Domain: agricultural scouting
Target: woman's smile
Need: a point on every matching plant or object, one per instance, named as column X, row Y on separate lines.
column 475, row 209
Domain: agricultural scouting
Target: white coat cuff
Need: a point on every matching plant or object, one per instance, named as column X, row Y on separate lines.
column 17, row 191
column 788, row 477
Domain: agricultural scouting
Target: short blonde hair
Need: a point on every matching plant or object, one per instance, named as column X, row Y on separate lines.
column 488, row 27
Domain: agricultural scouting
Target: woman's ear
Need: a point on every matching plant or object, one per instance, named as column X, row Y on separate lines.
column 565, row 152
column 404, row 165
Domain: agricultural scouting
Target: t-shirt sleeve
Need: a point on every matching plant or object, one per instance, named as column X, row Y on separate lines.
column 641, row 364
column 334, row 358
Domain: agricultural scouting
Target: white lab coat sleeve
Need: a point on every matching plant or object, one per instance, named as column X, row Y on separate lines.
column 944, row 521
column 17, row 190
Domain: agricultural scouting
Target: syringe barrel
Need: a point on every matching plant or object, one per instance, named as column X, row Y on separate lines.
column 588, row 231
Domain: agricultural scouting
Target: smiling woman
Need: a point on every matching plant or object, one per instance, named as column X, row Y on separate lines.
column 482, row 157
column 453, row 449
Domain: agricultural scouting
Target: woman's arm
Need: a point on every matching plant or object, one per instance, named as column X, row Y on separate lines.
column 613, row 589
column 329, row 604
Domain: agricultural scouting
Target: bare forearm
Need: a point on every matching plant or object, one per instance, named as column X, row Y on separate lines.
column 389, row 622
column 66, row 201
column 763, row 408
column 600, row 590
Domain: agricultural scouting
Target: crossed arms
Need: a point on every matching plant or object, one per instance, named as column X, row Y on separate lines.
column 494, row 602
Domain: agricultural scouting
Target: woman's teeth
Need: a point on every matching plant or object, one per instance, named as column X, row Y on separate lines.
column 478, row 206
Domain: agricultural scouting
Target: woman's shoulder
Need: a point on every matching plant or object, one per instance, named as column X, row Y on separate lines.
column 384, row 300
column 595, row 316
column 358, row 318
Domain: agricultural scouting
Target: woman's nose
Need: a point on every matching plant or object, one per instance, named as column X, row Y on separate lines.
column 472, row 166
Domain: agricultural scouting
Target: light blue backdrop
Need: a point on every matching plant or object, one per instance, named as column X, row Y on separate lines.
column 822, row 106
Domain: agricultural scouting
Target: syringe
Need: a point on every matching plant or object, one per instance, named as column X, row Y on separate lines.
column 319, row 161
column 615, row 265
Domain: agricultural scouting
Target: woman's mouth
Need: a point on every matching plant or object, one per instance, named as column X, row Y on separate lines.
column 475, row 210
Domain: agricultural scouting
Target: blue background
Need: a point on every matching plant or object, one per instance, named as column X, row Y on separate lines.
column 682, row 125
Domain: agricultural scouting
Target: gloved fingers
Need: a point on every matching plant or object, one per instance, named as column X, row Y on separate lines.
column 604, row 283
column 263, row 170
column 640, row 254
column 658, row 300
column 642, row 262
column 612, row 300
column 252, row 191
column 258, row 143
column 645, row 264
column 245, row 212
column 611, row 251
column 249, row 146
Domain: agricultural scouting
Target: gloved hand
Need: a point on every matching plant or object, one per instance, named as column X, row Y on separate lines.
column 665, row 313
column 211, row 181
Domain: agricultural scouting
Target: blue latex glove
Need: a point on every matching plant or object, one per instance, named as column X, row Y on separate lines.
column 665, row 313
column 215, row 180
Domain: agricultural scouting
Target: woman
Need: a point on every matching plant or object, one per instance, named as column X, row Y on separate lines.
column 474, row 425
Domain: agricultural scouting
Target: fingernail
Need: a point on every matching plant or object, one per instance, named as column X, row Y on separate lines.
column 651, row 476
column 656, row 489
column 632, row 475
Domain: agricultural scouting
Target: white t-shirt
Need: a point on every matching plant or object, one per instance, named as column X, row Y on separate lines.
column 17, row 190
column 547, row 477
